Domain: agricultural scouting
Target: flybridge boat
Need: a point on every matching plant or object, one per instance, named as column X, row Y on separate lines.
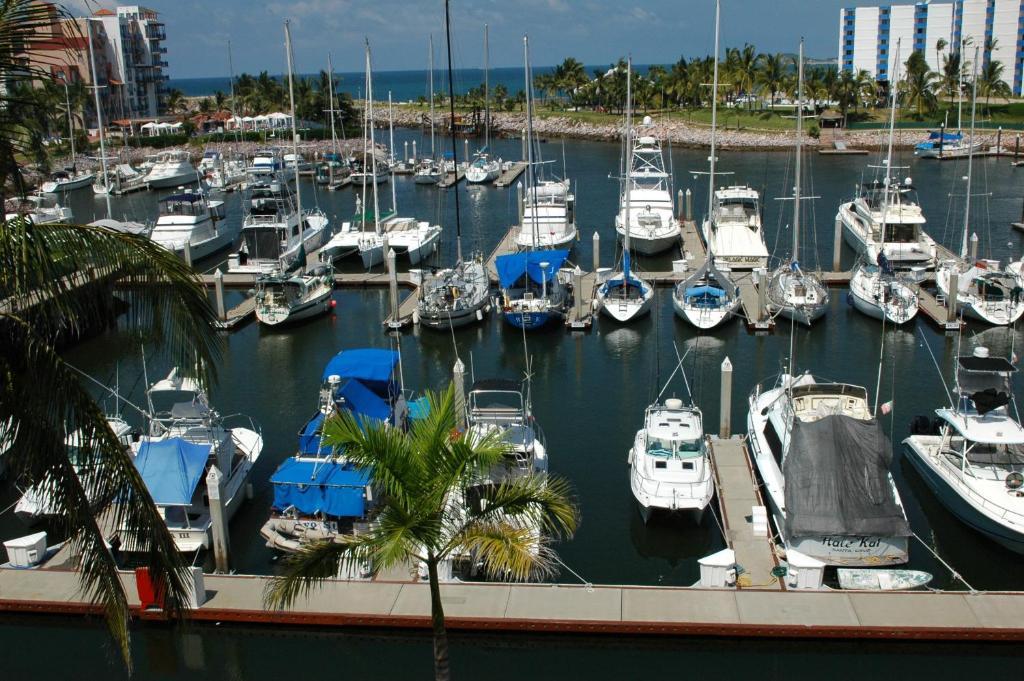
column 824, row 461
column 549, row 216
column 38, row 209
column 733, row 231
column 171, row 168
column 271, row 236
column 267, row 165
column 186, row 438
column 971, row 455
column 121, row 179
column 653, row 227
column 670, row 467
column 533, row 294
column 189, row 217
column 318, row 493
column 896, row 210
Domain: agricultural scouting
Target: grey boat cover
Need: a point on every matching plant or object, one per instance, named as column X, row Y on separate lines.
column 837, row 483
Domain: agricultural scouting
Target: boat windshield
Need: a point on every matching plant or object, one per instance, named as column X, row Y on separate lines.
column 262, row 242
column 993, row 461
column 673, row 449
column 737, row 208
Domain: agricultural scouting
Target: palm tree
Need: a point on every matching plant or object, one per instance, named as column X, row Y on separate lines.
column 422, row 474
column 940, row 45
column 990, row 81
column 952, row 71
column 175, row 100
column 659, row 81
column 745, row 71
column 918, row 90
column 771, row 73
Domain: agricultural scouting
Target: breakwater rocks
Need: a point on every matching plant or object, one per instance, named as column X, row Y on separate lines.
column 679, row 132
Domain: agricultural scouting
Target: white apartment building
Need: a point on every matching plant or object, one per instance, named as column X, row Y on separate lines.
column 135, row 37
column 868, row 35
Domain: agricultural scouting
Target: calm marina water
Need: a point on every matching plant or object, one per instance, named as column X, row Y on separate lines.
column 589, row 393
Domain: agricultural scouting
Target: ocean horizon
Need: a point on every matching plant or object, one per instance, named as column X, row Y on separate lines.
column 404, row 86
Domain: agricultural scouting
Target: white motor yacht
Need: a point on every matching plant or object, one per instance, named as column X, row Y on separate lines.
column 548, row 216
column 121, row 179
column 271, row 237
column 824, row 461
column 653, row 227
column 905, row 243
column 267, row 165
column 734, row 230
column 416, row 239
column 171, row 168
column 971, row 456
column 286, row 297
column 38, row 209
column 68, row 180
column 189, row 217
column 670, row 467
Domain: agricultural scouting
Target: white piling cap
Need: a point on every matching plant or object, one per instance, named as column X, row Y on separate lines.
column 981, row 351
column 726, row 365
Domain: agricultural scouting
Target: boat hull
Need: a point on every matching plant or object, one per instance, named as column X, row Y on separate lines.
column 966, row 512
column 456, row 319
column 703, row 318
column 803, row 314
column 279, row 316
column 648, row 245
column 173, row 180
column 876, row 311
column 532, row 320
column 71, row 185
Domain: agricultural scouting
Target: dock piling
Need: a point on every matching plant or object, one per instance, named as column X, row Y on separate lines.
column 974, row 247
column 414, row 156
column 188, row 253
column 577, row 291
column 522, row 140
column 689, row 205
column 218, row 520
column 837, row 244
column 405, row 151
column 725, row 406
column 394, row 323
column 218, row 285
column 459, row 379
column 762, row 294
column 519, row 202
column 679, row 205
column 954, row 289
column 597, row 250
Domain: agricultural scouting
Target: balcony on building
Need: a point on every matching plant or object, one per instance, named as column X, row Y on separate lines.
column 155, row 32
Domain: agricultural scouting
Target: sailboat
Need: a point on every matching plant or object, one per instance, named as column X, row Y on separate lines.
column 984, row 291
column 886, row 217
column 484, row 167
column 458, row 295
column 533, row 294
column 793, row 292
column 68, row 179
column 708, row 297
column 429, row 170
column 624, row 295
column 291, row 295
column 971, row 455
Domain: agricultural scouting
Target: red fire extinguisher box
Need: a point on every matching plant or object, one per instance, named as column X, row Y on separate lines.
column 151, row 591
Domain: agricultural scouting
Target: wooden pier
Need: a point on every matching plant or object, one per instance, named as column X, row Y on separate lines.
column 238, row 314
column 507, row 244
column 565, row 608
column 511, row 175
column 738, row 494
column 451, row 179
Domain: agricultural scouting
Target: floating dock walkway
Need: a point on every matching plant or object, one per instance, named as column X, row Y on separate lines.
column 511, row 175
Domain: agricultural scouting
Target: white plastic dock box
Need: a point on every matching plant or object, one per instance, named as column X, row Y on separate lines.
column 718, row 569
column 804, row 572
column 26, row 551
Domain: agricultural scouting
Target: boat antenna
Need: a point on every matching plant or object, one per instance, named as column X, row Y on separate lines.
column 433, row 154
column 330, row 104
column 531, row 179
column 99, row 118
column 970, row 152
column 888, row 155
column 628, row 181
column 391, row 154
column 295, row 137
column 487, row 90
column 451, row 107
column 366, row 138
column 373, row 143
column 231, row 84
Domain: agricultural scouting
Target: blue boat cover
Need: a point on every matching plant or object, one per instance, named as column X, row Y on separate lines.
column 712, row 291
column 172, row 469
column 419, row 409
column 191, row 197
column 366, row 364
column 360, row 400
column 333, row 488
column 512, row 267
column 950, row 136
column 309, row 438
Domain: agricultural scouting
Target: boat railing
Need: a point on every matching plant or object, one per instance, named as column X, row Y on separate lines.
column 956, row 472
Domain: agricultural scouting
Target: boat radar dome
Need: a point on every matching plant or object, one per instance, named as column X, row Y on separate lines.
column 648, row 121
column 334, row 379
column 981, row 351
column 907, row 181
column 673, row 403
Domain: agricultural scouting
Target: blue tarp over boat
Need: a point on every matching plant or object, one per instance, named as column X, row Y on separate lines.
column 329, row 487
column 172, row 469
column 512, row 267
column 358, row 399
column 370, row 365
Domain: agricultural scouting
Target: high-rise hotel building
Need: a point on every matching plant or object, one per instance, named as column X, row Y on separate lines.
column 868, row 35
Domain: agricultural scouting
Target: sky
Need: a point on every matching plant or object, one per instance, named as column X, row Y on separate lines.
column 593, row 31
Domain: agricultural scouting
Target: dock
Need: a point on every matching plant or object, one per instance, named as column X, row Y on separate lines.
column 507, row 244
column 238, row 314
column 511, row 175
column 451, row 179
column 739, row 493
column 340, row 183
column 564, row 608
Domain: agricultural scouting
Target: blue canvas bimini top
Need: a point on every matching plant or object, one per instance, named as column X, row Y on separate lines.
column 333, row 488
column 369, row 365
column 512, row 267
column 172, row 469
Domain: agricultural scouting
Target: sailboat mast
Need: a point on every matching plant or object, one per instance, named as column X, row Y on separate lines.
column 373, row 143
column 330, row 104
column 629, row 155
column 451, row 104
column 487, row 92
column 433, row 154
column 295, row 134
column 970, row 153
column 391, row 153
column 231, row 84
column 366, row 138
column 714, row 126
column 799, row 147
column 99, row 117
column 71, row 128
column 530, row 176
column 888, row 156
